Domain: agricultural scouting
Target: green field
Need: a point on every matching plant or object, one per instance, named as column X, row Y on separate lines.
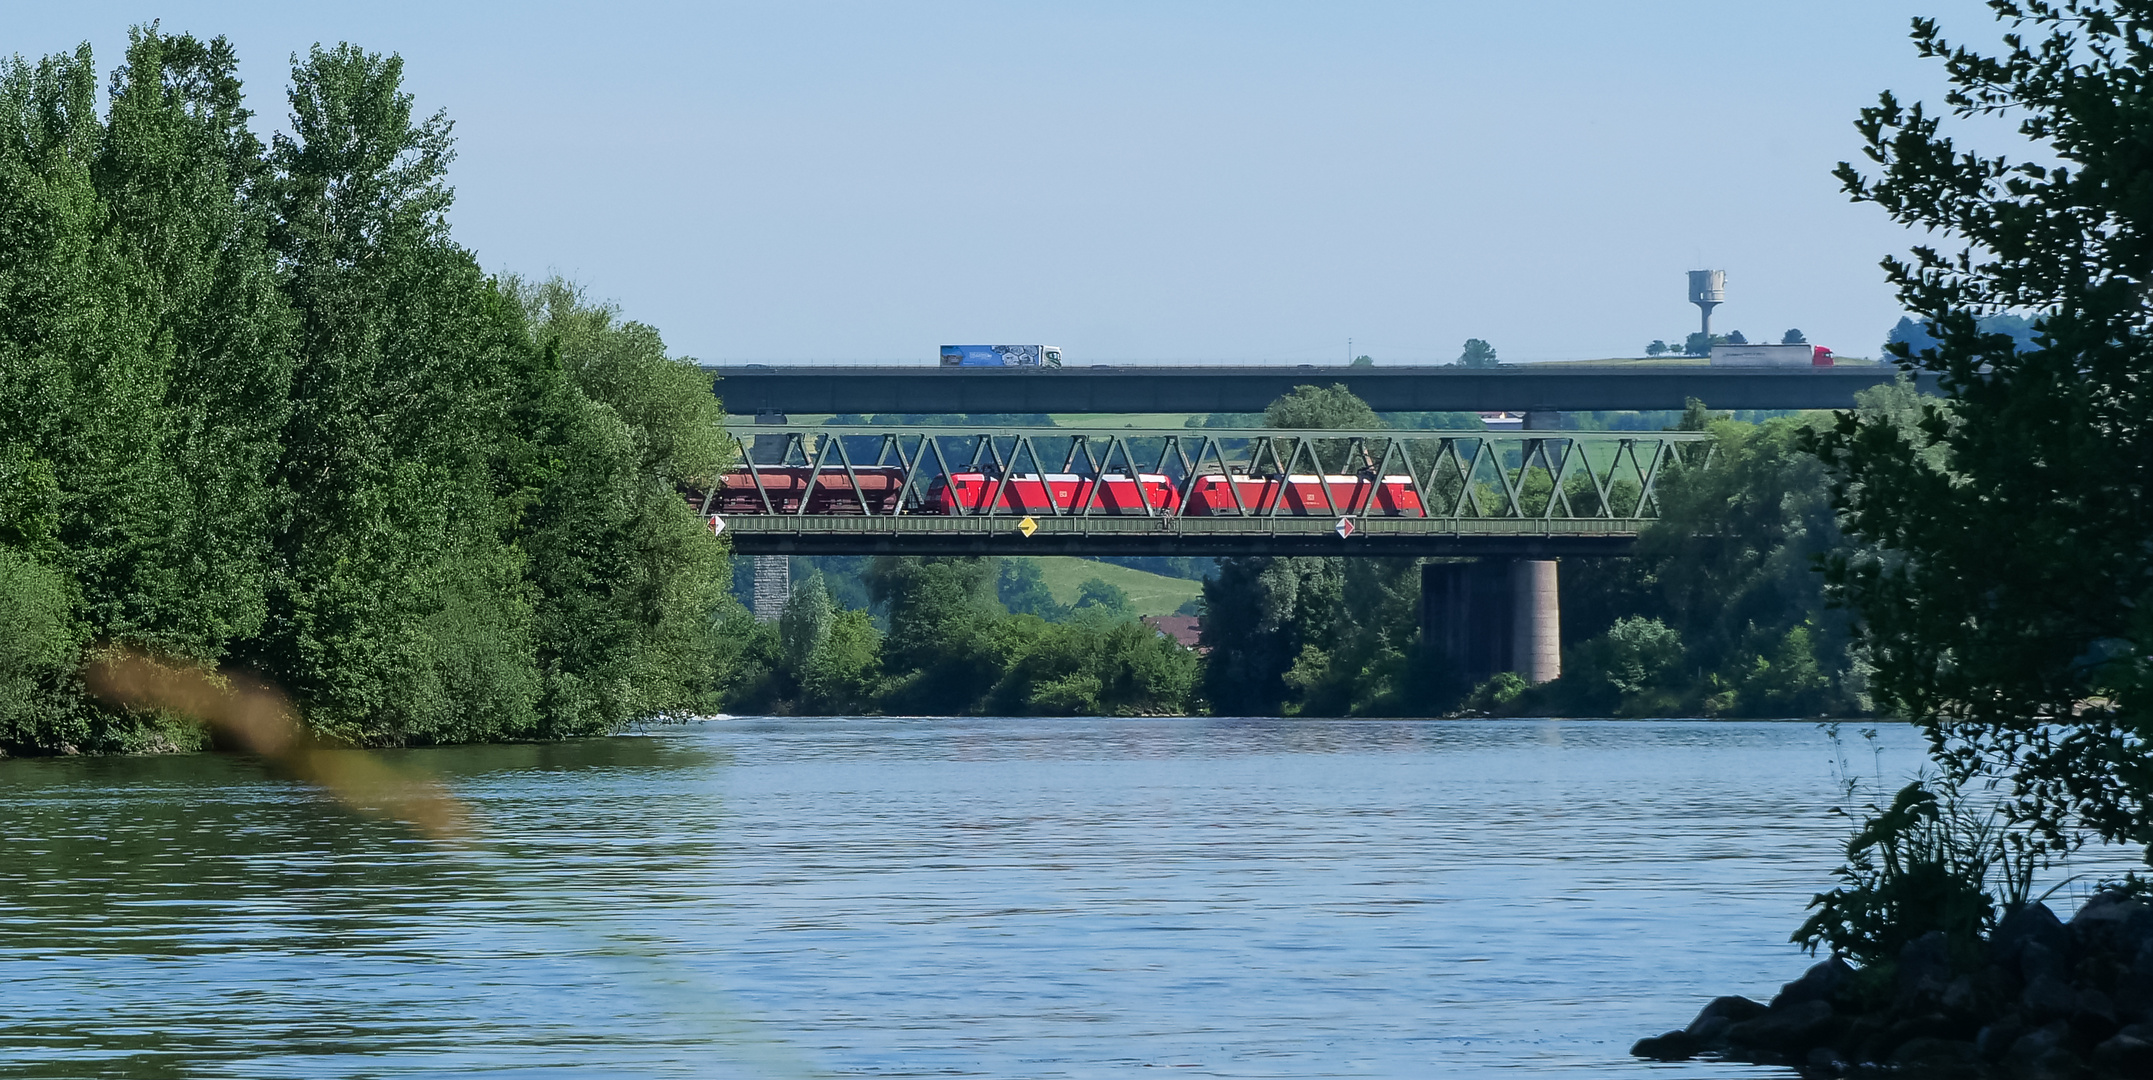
column 1149, row 594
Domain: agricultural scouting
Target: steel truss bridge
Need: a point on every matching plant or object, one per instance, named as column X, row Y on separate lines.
column 1520, row 494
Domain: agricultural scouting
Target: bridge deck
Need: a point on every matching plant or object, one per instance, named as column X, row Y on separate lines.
column 1214, row 389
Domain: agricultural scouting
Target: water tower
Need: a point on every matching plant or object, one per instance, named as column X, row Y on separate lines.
column 1708, row 289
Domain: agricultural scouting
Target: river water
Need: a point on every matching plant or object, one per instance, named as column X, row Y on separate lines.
column 940, row 897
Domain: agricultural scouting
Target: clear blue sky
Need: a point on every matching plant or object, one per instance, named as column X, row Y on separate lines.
column 1142, row 180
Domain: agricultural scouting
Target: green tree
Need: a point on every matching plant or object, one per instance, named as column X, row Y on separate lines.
column 2005, row 601
column 942, row 652
column 1022, row 588
column 1363, row 361
column 626, row 575
column 1698, row 344
column 1793, row 337
column 1477, row 354
column 1657, row 348
column 1102, row 595
column 401, row 614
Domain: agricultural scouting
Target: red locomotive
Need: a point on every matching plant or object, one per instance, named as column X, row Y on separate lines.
column 1032, row 493
column 1390, row 496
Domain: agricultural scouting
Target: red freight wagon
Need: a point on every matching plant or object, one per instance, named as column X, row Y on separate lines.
column 833, row 490
column 1391, row 496
column 1032, row 493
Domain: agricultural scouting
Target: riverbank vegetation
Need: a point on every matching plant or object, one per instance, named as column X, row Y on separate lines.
column 1999, row 579
column 265, row 414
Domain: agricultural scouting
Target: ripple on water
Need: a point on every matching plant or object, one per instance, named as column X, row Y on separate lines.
column 926, row 897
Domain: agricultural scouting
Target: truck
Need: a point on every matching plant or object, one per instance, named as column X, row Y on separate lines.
column 1002, row 356
column 1771, row 356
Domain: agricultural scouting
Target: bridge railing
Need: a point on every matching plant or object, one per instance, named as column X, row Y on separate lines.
column 865, row 471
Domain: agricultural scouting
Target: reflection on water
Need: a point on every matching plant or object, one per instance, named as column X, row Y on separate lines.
column 994, row 898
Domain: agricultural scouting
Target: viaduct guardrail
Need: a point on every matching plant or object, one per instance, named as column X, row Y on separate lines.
column 789, row 389
column 845, row 489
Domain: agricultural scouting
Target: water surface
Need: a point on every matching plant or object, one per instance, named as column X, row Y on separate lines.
column 947, row 898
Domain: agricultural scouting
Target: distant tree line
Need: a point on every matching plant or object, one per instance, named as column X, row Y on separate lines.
column 264, row 415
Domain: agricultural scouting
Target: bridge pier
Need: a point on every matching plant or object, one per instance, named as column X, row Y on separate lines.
column 773, row 586
column 1492, row 615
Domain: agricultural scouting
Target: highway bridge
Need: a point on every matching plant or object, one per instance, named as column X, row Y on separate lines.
column 757, row 389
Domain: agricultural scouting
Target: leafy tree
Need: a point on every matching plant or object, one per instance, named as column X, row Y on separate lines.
column 1103, row 595
column 1735, row 338
column 1022, row 588
column 1698, row 344
column 1477, row 354
column 942, row 648
column 1319, row 636
column 1363, row 361
column 1793, row 337
column 1657, row 348
column 1320, row 407
column 626, row 574
column 2005, row 607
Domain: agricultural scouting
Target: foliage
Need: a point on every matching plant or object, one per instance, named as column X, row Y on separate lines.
column 1363, row 361
column 2004, row 589
column 1477, row 354
column 952, row 649
column 1793, row 337
column 1916, row 338
column 1926, row 863
column 1102, row 595
column 1657, row 348
column 1700, row 344
column 1729, row 571
column 266, row 413
column 1022, row 588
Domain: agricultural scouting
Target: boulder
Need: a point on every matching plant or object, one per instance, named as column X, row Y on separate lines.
column 2041, row 1045
column 2037, row 961
column 1785, row 1029
column 1924, row 970
column 1721, row 1014
column 2124, row 1055
column 1821, row 982
column 2048, row 998
column 2032, row 923
column 1933, row 1054
column 1995, row 1040
column 1673, row 1046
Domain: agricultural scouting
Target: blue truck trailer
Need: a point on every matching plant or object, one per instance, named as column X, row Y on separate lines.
column 1001, row 356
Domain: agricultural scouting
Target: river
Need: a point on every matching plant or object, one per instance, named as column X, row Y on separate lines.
column 938, row 897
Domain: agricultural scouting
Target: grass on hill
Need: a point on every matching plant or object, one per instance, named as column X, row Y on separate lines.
column 1149, row 594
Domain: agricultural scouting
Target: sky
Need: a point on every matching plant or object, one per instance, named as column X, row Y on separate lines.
column 1159, row 181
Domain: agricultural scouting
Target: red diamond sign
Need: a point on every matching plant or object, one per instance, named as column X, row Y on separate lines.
column 716, row 524
column 1344, row 528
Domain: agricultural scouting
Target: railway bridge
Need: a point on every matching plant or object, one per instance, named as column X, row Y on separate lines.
column 1515, row 501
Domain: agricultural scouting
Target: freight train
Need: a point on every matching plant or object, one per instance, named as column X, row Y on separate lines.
column 877, row 489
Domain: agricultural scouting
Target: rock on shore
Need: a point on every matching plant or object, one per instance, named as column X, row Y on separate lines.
column 2044, row 999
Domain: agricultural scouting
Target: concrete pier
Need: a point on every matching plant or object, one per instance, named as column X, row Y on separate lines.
column 1535, row 621
column 1492, row 615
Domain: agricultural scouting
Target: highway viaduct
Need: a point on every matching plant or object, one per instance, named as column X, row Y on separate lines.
column 756, row 389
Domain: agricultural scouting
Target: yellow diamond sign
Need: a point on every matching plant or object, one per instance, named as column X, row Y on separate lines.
column 1027, row 526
